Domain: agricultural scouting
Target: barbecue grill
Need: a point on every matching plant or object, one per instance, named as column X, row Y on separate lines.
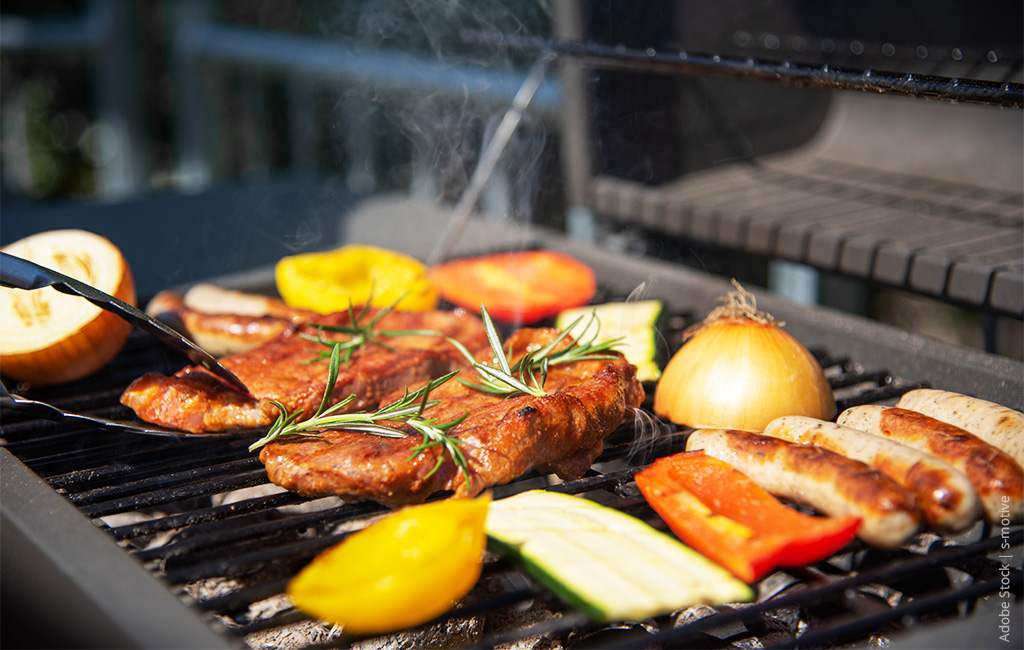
column 117, row 540
column 155, row 542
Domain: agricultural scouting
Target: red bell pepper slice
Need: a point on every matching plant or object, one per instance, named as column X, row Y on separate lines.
column 516, row 287
column 723, row 514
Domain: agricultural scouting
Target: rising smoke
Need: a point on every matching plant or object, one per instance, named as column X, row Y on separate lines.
column 444, row 129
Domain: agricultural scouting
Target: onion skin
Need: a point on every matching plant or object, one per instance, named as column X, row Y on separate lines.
column 737, row 373
column 78, row 354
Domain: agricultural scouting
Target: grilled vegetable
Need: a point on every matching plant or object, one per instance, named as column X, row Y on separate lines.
column 740, row 370
column 993, row 423
column 609, row 565
column 48, row 337
column 333, row 281
column 520, row 287
column 633, row 323
column 404, row 570
column 720, row 512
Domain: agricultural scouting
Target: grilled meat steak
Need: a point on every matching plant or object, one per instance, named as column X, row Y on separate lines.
column 501, row 438
column 286, row 369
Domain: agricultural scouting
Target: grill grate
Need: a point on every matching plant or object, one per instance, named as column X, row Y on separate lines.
column 199, row 515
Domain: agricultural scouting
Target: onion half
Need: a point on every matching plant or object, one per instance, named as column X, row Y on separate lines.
column 739, row 370
column 47, row 337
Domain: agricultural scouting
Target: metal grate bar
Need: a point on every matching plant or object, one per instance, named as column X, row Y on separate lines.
column 164, row 497
column 242, row 598
column 204, row 515
column 145, row 486
column 141, row 465
column 287, row 555
column 262, row 530
column 95, row 451
column 834, row 634
column 648, row 60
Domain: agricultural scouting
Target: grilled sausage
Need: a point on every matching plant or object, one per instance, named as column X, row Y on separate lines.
column 223, row 321
column 995, row 424
column 211, row 299
column 997, row 478
column 820, row 479
column 946, row 498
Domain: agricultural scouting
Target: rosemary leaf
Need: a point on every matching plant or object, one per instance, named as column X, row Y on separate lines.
column 362, row 333
column 522, row 378
column 407, row 409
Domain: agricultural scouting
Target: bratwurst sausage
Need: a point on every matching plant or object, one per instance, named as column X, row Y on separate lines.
column 946, row 498
column 820, row 479
column 997, row 478
column 995, row 424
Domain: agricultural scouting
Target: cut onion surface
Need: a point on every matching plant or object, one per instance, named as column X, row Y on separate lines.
column 47, row 337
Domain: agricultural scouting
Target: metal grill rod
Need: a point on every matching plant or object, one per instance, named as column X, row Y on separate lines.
column 146, row 485
column 216, row 513
column 150, row 499
column 954, row 89
column 261, row 530
column 857, row 627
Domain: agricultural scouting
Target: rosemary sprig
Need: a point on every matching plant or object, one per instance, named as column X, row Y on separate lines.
column 407, row 409
column 522, row 377
column 362, row 333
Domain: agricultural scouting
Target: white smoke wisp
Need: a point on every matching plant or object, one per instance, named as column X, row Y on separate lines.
column 444, row 128
column 643, row 290
column 647, row 428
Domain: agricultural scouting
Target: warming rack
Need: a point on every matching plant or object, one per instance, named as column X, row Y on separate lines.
column 961, row 88
column 945, row 222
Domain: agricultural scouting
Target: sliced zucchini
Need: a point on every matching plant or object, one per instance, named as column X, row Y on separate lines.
column 607, row 564
column 634, row 322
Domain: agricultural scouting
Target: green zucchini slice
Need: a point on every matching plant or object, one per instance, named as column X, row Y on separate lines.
column 609, row 565
column 636, row 323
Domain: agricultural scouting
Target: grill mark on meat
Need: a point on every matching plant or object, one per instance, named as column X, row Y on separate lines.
column 286, row 369
column 502, row 438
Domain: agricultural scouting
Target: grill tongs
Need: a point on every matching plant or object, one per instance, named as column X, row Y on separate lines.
column 18, row 273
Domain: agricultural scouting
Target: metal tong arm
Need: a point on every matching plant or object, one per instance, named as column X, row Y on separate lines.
column 46, row 411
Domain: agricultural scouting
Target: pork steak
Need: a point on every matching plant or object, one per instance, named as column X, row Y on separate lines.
column 290, row 369
column 501, row 437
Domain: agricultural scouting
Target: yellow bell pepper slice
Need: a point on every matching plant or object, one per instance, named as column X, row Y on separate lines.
column 357, row 274
column 401, row 571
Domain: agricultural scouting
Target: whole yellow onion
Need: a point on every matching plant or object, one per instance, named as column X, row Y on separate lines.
column 739, row 370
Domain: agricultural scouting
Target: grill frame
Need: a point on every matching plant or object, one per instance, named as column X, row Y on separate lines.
column 141, row 608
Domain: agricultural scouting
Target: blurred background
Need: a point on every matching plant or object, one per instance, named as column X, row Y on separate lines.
column 211, row 136
column 215, row 136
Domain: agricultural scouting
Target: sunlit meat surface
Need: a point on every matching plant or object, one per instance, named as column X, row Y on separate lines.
column 501, row 438
column 289, row 369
